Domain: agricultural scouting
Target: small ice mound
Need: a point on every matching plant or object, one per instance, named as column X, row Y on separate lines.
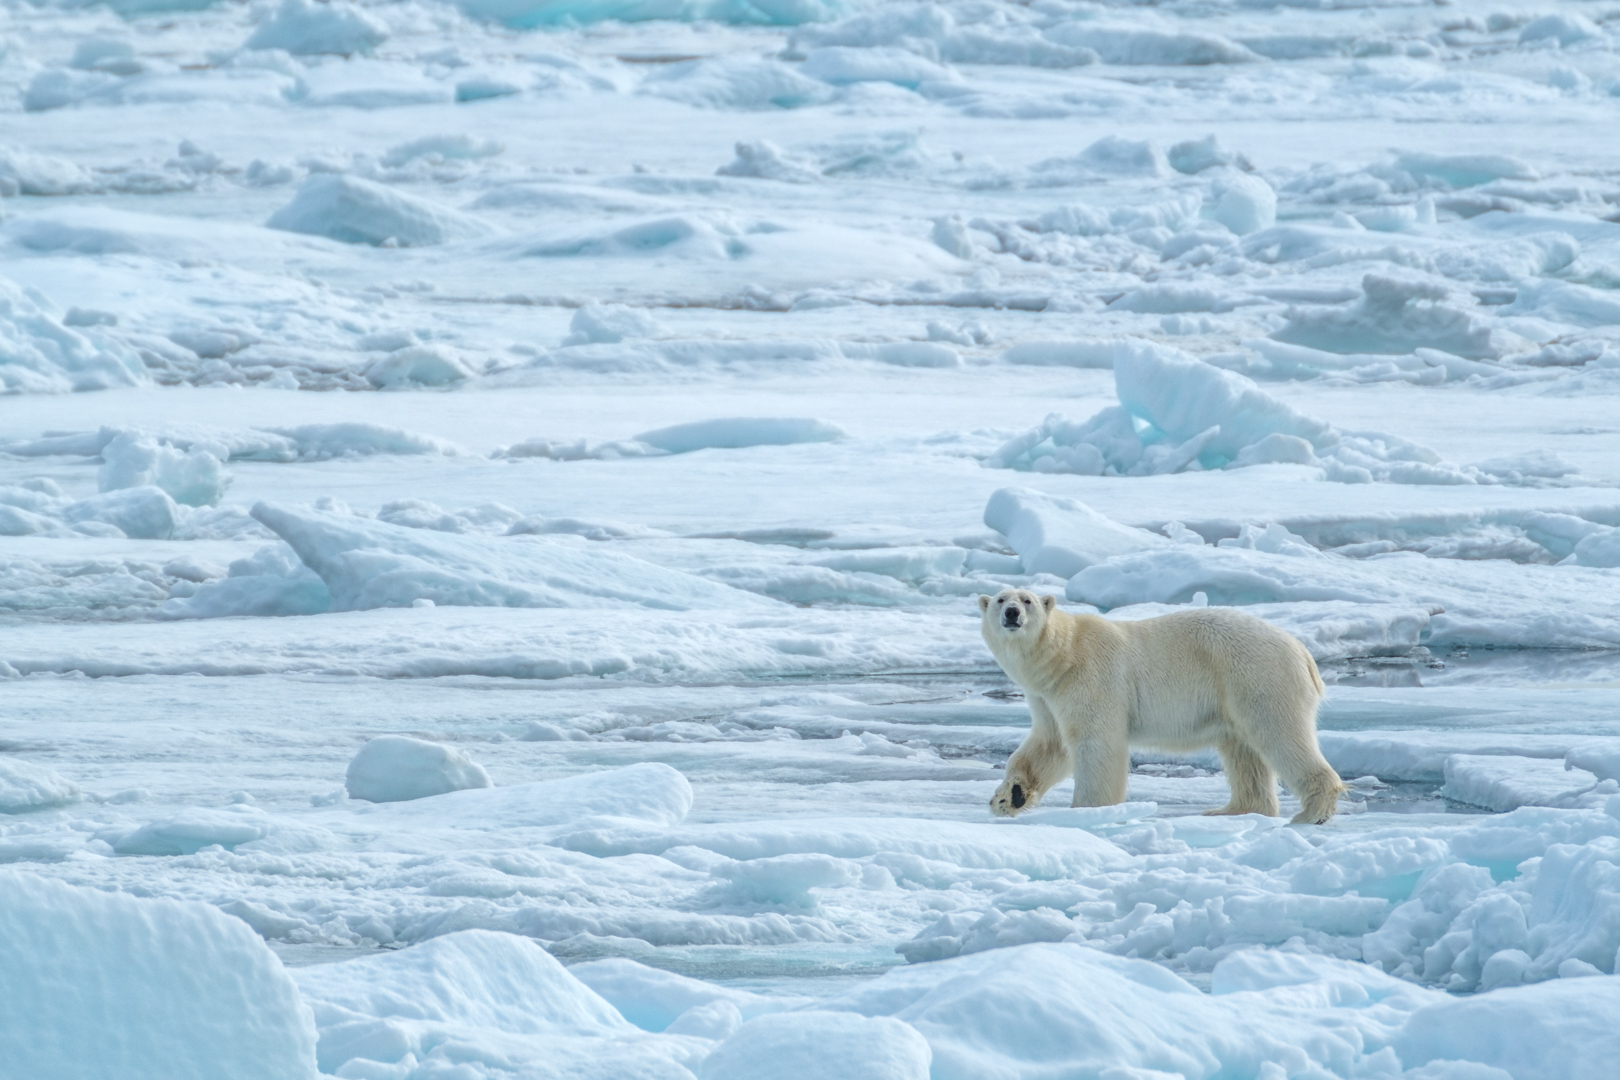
column 38, row 354
column 653, row 999
column 193, row 477
column 1600, row 549
column 397, row 768
column 1196, row 155
column 26, row 173
column 609, row 324
column 358, row 211
column 1244, row 203
column 318, row 442
column 416, row 366
column 1553, row 1030
column 1054, row 535
column 462, row 147
column 1466, row 170
column 371, row 564
column 649, row 794
column 821, row 1046
column 740, row 432
column 140, row 513
column 1110, row 156
column 308, row 28
column 472, row 978
column 25, row 786
column 1131, row 45
column 529, row 14
column 194, row 828
column 1565, row 27
column 764, row 160
column 1097, row 353
column 1529, row 465
column 1396, row 316
column 102, row 984
column 841, row 65
column 950, row 234
column 736, row 82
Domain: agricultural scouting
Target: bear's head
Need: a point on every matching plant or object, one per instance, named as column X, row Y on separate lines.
column 1015, row 615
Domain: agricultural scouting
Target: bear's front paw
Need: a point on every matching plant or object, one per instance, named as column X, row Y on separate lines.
column 1008, row 800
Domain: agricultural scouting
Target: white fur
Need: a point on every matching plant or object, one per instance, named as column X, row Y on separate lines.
column 1184, row 681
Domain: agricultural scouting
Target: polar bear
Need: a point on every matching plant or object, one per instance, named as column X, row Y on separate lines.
column 1184, row 681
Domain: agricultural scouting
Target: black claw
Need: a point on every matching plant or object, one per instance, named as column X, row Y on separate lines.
column 1017, row 796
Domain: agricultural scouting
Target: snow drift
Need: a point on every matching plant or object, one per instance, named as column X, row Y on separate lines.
column 365, row 563
column 104, row 986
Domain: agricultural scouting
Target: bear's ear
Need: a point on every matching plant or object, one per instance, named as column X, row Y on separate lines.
column 984, row 602
column 1049, row 602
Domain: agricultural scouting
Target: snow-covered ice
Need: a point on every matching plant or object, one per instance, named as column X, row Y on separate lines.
column 492, row 495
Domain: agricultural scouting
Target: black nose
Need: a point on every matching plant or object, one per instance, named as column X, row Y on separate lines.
column 1018, row 796
column 1009, row 619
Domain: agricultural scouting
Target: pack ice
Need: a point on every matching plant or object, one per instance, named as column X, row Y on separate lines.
column 493, row 495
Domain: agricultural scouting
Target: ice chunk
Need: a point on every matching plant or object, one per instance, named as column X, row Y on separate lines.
column 40, row 355
column 1111, row 155
column 26, row 786
column 105, row 986
column 460, row 147
column 358, row 211
column 1183, row 397
column 195, row 828
column 395, row 768
column 1243, row 203
column 305, row 27
column 527, row 14
column 418, row 365
column 1530, row 463
column 143, row 513
column 1081, row 354
column 736, row 82
column 1136, row 45
column 1395, row 315
column 317, row 442
column 1196, row 155
column 25, row 173
column 1054, row 535
column 821, row 1046
column 734, row 433
column 608, row 324
column 765, row 160
column 368, row 564
column 195, row 477
column 840, row 66
column 1564, row 27
column 1466, row 170
column 1507, row 783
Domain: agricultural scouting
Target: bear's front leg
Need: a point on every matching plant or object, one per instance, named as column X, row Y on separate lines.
column 1102, row 767
column 1038, row 763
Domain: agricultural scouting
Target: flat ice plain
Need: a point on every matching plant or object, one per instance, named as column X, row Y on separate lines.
column 619, row 403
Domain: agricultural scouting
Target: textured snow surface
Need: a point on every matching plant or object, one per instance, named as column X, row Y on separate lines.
column 102, row 984
column 493, row 495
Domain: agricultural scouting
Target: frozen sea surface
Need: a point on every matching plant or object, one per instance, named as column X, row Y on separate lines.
column 619, row 405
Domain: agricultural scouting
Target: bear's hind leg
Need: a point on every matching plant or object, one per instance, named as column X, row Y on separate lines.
column 1254, row 785
column 1318, row 789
